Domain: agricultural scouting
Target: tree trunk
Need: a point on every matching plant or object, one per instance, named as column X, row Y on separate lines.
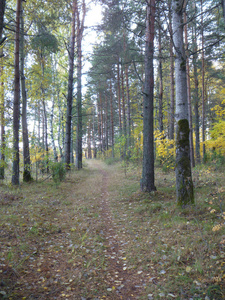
column 128, row 111
column 60, row 127
column 16, row 101
column 2, row 12
column 196, row 93
column 2, row 96
column 203, row 87
column 119, row 96
column 70, row 88
column 112, row 120
column 160, row 82
column 184, row 185
column 26, row 149
column 148, row 173
column 189, row 94
column 2, row 112
column 171, row 121
column 80, row 31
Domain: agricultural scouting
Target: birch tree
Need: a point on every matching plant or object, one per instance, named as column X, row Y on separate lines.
column 184, row 185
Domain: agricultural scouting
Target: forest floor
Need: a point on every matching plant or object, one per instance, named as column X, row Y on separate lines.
column 96, row 236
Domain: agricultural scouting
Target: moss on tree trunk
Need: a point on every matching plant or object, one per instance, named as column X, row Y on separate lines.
column 184, row 185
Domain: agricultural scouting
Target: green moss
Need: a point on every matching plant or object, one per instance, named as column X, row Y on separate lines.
column 184, row 185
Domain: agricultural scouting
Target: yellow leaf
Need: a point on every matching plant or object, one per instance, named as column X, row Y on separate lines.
column 188, row 269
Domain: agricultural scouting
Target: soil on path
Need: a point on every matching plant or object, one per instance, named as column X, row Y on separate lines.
column 64, row 242
column 117, row 271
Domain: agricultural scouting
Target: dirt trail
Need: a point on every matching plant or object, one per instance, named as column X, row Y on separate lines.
column 67, row 242
column 128, row 284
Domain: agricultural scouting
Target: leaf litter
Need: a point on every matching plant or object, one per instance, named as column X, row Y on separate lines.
column 97, row 237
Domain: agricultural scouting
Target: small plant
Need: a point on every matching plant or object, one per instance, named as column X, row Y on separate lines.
column 58, row 171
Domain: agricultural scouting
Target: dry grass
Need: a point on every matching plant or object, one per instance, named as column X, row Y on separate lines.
column 54, row 242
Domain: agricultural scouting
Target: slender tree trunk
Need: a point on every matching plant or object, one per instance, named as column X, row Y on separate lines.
column 2, row 112
column 80, row 31
column 60, row 127
column 203, row 87
column 172, row 93
column 2, row 96
column 52, row 112
column 148, row 173
column 16, row 102
column 45, row 136
column 51, row 128
column 26, row 149
column 196, row 93
column 160, row 82
column 112, row 120
column 128, row 111
column 184, row 185
column 70, row 88
column 2, row 12
column 119, row 96
column 106, row 124
column 100, row 122
column 123, row 103
column 93, row 135
column 189, row 94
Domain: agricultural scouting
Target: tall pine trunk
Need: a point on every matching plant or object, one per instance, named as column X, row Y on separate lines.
column 203, row 87
column 2, row 95
column 70, row 88
column 2, row 118
column 148, row 174
column 26, row 149
column 80, row 31
column 189, row 94
column 184, row 185
column 16, row 101
column 172, row 93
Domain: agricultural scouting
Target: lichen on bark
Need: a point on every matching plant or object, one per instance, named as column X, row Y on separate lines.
column 185, row 193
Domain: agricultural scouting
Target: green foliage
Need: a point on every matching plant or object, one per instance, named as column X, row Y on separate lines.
column 58, row 171
column 45, row 41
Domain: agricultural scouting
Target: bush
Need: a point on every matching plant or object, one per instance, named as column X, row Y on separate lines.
column 58, row 171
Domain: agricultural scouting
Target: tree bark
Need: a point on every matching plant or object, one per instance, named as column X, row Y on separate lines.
column 160, row 82
column 26, row 149
column 148, row 173
column 16, row 101
column 2, row 112
column 2, row 12
column 70, row 88
column 172, row 102
column 203, row 87
column 112, row 119
column 189, row 93
column 184, row 185
column 2, row 96
column 80, row 31
column 196, row 92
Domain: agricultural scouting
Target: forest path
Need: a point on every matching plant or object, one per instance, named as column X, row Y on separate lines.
column 123, row 281
column 71, row 241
